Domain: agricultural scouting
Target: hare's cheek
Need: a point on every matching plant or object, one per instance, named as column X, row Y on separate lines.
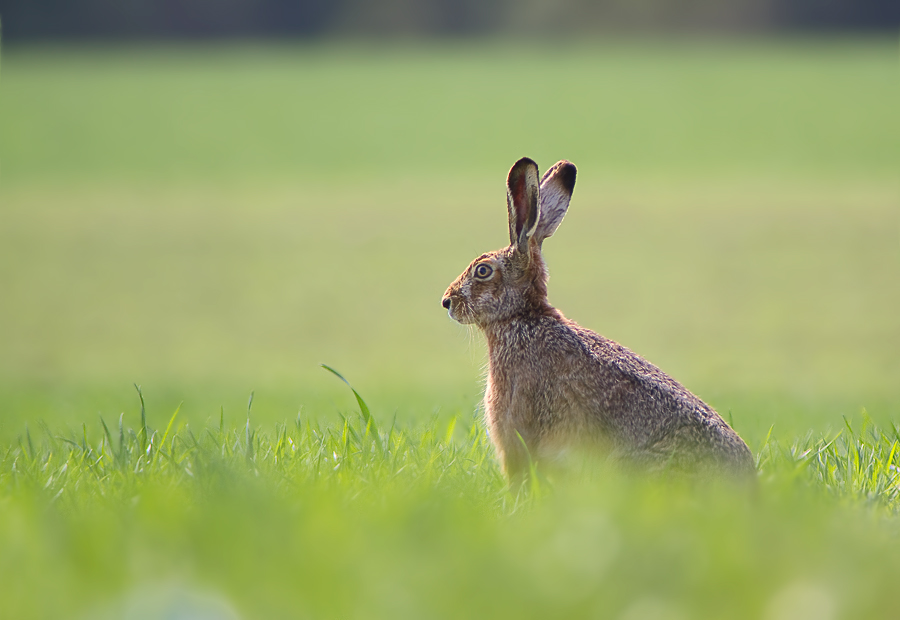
column 487, row 303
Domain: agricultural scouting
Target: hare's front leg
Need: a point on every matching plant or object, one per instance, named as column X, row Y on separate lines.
column 515, row 446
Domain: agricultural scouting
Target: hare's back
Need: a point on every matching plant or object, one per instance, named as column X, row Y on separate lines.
column 643, row 409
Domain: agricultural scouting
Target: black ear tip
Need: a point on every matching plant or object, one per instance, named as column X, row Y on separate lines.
column 567, row 175
column 522, row 164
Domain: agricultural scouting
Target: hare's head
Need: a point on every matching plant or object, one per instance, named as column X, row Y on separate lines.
column 502, row 284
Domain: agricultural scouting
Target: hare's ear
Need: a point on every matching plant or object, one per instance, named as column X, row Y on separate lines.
column 523, row 202
column 556, row 191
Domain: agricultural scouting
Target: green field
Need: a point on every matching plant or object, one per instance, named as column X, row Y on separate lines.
column 211, row 221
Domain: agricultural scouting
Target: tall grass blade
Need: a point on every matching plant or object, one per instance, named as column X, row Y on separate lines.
column 31, row 452
column 363, row 409
column 122, row 437
column 144, row 436
column 169, row 425
column 248, row 434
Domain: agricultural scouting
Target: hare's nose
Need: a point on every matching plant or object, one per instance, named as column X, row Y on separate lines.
column 446, row 302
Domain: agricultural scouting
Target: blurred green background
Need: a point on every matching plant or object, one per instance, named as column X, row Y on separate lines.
column 209, row 220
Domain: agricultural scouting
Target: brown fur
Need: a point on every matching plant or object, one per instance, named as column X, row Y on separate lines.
column 560, row 388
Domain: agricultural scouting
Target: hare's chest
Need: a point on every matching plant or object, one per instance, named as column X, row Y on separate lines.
column 510, row 400
column 497, row 397
column 503, row 414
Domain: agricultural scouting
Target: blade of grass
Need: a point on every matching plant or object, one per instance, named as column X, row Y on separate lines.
column 363, row 407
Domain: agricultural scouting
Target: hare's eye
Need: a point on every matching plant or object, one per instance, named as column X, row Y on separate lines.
column 483, row 271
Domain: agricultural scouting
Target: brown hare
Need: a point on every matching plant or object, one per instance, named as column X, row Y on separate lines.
column 554, row 387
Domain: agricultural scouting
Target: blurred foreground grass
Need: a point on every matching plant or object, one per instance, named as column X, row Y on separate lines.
column 354, row 521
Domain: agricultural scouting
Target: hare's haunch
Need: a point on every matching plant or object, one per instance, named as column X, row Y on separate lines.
column 554, row 386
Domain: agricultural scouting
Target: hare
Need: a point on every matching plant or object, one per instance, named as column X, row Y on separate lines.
column 554, row 387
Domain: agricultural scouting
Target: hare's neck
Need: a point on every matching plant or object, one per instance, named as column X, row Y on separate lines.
column 517, row 335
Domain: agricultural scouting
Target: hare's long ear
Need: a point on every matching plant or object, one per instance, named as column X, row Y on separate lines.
column 556, row 192
column 523, row 202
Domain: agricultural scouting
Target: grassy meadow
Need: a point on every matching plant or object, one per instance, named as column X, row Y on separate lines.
column 211, row 221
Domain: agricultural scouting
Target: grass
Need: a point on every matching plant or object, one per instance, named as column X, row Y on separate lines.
column 214, row 222
column 357, row 521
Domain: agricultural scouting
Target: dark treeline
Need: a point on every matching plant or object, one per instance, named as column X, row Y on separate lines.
column 67, row 19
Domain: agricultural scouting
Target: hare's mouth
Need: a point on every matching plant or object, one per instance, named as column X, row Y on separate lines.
column 463, row 319
column 457, row 310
